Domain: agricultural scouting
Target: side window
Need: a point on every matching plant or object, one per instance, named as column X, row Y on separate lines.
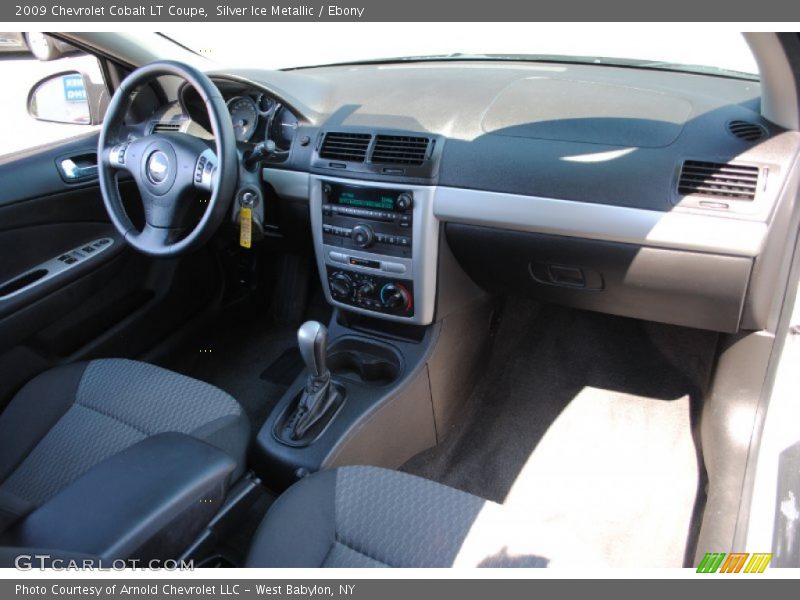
column 52, row 91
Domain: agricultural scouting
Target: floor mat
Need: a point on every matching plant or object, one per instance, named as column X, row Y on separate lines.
column 232, row 351
column 585, row 423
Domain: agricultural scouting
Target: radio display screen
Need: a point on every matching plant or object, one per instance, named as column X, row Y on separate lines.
column 373, row 198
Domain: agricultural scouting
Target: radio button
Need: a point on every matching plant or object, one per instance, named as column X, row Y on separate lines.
column 391, row 267
column 403, row 241
column 405, row 220
column 337, row 257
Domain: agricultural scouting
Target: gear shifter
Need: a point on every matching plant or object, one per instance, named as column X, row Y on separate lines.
column 318, row 395
column 312, row 339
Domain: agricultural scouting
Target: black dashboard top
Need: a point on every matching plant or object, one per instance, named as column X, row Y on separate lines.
column 597, row 134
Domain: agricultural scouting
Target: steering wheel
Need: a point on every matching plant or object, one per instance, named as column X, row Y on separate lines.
column 171, row 170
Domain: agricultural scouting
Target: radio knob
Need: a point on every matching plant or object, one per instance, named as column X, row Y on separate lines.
column 363, row 236
column 395, row 297
column 404, row 201
column 341, row 285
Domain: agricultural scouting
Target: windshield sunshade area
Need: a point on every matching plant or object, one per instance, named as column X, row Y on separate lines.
column 708, row 52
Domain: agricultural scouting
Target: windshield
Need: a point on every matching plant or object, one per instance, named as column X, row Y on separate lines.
column 295, row 45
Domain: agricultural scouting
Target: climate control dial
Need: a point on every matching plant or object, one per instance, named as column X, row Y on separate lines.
column 341, row 285
column 395, row 297
column 365, row 288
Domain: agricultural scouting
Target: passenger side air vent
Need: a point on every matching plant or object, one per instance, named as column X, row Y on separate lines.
column 165, row 127
column 720, row 180
column 400, row 150
column 349, row 147
column 747, row 131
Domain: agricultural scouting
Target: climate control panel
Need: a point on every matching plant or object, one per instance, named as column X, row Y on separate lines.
column 372, row 292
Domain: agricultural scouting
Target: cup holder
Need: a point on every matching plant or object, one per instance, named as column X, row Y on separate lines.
column 364, row 360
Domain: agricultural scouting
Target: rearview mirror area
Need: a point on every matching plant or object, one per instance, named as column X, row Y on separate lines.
column 68, row 97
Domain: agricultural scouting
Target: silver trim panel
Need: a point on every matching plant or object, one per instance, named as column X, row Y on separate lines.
column 288, row 184
column 60, row 264
column 676, row 230
column 421, row 268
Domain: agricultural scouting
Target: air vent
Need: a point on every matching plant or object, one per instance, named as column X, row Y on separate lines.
column 164, row 127
column 400, row 150
column 720, row 180
column 349, row 147
column 747, row 131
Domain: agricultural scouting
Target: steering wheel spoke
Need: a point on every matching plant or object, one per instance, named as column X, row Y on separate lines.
column 154, row 236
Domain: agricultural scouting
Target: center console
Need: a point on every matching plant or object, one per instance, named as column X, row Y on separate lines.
column 376, row 246
column 392, row 366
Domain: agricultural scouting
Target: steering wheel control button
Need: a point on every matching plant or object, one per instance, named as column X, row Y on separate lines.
column 158, row 167
column 198, row 170
column 117, row 155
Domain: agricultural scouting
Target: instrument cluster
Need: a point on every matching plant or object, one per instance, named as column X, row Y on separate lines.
column 256, row 115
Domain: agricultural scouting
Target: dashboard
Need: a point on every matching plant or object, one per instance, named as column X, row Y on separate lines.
column 651, row 194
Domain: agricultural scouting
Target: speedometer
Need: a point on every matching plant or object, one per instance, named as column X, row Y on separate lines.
column 244, row 114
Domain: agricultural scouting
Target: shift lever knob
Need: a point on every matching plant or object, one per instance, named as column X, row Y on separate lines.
column 312, row 339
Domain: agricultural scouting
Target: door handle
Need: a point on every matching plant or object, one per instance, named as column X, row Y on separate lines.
column 78, row 168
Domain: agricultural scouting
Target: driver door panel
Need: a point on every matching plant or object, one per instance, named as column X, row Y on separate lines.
column 111, row 302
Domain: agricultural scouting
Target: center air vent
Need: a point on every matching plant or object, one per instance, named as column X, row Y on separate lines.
column 349, row 147
column 165, row 127
column 747, row 131
column 400, row 150
column 720, row 180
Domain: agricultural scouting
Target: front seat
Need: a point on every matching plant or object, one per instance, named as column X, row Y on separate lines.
column 62, row 432
column 370, row 517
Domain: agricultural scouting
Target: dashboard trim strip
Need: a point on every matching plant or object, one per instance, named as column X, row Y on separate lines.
column 673, row 230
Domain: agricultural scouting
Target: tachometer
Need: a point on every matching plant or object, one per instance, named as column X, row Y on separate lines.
column 283, row 127
column 244, row 114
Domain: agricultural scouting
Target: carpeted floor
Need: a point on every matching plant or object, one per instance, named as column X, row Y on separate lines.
column 231, row 353
column 584, row 422
column 243, row 351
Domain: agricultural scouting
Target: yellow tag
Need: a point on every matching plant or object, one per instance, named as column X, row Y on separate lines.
column 246, row 227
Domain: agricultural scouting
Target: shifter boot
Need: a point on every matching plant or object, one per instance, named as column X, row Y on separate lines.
column 315, row 401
